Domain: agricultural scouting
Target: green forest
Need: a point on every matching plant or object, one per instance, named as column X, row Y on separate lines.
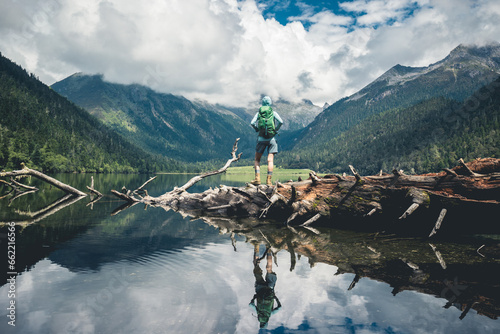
column 45, row 131
column 428, row 136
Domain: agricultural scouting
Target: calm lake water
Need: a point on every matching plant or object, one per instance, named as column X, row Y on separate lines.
column 148, row 270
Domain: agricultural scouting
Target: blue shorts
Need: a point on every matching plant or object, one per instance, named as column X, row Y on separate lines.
column 270, row 282
column 271, row 145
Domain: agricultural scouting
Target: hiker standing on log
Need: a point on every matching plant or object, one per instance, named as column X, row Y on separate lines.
column 267, row 123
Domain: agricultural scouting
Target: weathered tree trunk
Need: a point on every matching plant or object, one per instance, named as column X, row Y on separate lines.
column 72, row 195
column 394, row 201
column 25, row 171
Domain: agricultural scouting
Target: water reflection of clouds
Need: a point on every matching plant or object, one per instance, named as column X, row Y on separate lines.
column 208, row 290
column 298, row 293
column 321, row 300
column 35, row 295
column 183, row 296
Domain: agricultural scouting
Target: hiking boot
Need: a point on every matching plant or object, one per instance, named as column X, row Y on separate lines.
column 268, row 181
column 256, row 181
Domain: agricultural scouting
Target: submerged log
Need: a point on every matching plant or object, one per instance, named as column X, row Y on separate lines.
column 72, row 195
column 374, row 202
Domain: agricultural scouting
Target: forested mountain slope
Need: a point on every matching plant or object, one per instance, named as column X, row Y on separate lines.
column 46, row 131
column 160, row 123
column 460, row 74
column 439, row 87
column 428, row 136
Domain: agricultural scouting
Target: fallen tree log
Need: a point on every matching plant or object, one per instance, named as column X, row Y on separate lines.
column 395, row 202
column 25, row 171
column 405, row 202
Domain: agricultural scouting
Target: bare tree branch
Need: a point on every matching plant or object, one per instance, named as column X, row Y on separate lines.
column 198, row 178
column 27, row 171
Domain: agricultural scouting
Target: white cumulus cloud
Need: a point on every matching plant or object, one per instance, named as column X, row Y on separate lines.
column 227, row 51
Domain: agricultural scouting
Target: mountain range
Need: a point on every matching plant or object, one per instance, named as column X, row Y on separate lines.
column 459, row 75
column 172, row 125
column 414, row 118
column 159, row 123
column 401, row 90
column 45, row 131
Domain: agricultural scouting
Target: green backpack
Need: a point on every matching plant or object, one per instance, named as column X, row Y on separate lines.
column 265, row 122
column 265, row 303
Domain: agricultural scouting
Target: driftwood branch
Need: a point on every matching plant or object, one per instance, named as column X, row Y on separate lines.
column 311, row 220
column 450, row 172
column 27, row 171
column 143, row 185
column 314, row 177
column 123, row 207
column 479, row 250
column 179, row 197
column 14, row 184
column 124, row 196
column 128, row 195
column 438, row 222
column 438, row 256
column 18, row 194
column 92, row 189
column 198, row 178
column 469, row 171
column 355, row 173
column 410, row 210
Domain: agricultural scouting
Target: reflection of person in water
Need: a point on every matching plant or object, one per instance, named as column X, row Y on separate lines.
column 264, row 288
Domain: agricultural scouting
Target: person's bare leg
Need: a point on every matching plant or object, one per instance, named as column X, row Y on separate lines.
column 257, row 160
column 270, row 162
column 269, row 265
column 256, row 254
column 258, row 156
column 270, row 168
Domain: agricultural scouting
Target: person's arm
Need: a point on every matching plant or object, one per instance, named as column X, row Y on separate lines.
column 252, row 302
column 279, row 121
column 253, row 123
column 277, row 307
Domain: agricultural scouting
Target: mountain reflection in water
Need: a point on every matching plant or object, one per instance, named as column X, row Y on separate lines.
column 152, row 271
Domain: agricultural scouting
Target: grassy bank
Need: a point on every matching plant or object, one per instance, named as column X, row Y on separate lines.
column 263, row 168
column 246, row 174
column 242, row 174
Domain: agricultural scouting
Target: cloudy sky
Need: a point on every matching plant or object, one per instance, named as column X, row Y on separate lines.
column 230, row 51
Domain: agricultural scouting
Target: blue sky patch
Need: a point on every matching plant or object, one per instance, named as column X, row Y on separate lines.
column 290, row 10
